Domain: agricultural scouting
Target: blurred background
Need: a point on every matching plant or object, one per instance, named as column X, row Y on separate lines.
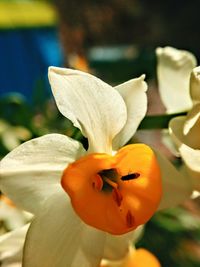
column 114, row 40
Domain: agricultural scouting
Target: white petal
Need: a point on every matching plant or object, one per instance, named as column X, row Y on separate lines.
column 167, row 141
column 32, row 171
column 55, row 236
column 11, row 247
column 192, row 118
column 173, row 71
column 191, row 158
column 12, row 217
column 176, row 187
column 116, row 247
column 134, row 95
column 176, row 130
column 195, row 85
column 92, row 105
column 191, row 127
column 11, row 264
column 186, row 129
column 92, row 246
column 14, row 240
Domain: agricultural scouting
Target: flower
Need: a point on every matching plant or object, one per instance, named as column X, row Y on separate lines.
column 185, row 131
column 31, row 175
column 173, row 72
column 134, row 258
column 11, row 136
column 11, row 216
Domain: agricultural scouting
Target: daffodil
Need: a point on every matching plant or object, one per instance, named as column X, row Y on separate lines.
column 108, row 190
column 185, row 131
column 173, row 73
column 134, row 258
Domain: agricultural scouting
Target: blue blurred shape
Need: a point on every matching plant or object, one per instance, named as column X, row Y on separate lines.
column 25, row 55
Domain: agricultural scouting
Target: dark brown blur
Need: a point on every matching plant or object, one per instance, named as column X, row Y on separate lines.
column 141, row 22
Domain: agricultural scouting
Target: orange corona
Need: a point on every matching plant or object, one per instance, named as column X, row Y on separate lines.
column 115, row 193
column 135, row 258
column 141, row 258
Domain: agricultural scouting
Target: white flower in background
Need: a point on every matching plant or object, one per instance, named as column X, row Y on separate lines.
column 11, row 216
column 110, row 191
column 185, row 131
column 11, row 136
column 173, row 72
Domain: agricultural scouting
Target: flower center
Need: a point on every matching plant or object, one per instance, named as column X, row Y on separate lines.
column 115, row 193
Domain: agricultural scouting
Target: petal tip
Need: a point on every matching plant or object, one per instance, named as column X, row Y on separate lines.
column 57, row 70
column 196, row 70
column 52, row 70
column 159, row 51
column 142, row 77
column 65, row 71
column 176, row 56
column 141, row 81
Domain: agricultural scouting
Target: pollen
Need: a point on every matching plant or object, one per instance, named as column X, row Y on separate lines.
column 116, row 193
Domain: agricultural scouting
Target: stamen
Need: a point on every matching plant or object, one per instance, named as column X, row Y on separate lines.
column 129, row 219
column 110, row 182
column 130, row 176
column 109, row 177
column 97, row 183
column 117, row 196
